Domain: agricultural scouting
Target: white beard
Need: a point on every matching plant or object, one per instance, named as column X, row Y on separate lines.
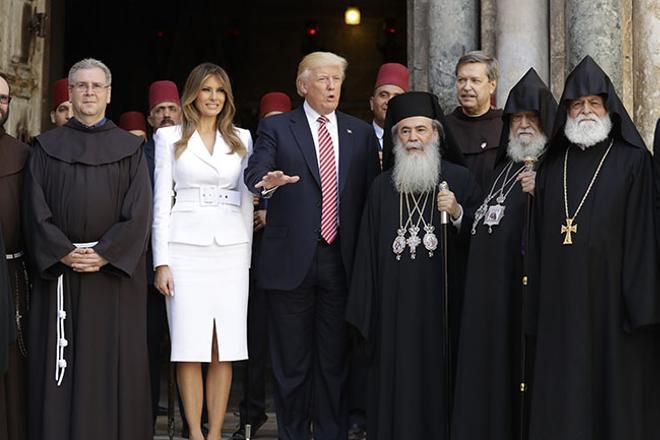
column 519, row 149
column 416, row 173
column 588, row 133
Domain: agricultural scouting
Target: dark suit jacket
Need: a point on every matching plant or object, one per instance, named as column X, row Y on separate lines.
column 284, row 142
column 149, row 147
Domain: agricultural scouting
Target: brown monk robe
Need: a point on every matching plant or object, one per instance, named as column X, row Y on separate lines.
column 13, row 156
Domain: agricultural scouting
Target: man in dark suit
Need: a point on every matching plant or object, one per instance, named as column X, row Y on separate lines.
column 164, row 111
column 316, row 165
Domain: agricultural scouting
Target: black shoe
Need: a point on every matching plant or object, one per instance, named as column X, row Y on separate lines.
column 357, row 432
column 240, row 433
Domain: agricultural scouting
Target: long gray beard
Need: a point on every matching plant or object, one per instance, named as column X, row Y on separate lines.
column 587, row 134
column 416, row 173
column 519, row 150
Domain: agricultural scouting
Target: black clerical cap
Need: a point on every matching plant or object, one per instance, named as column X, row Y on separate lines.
column 530, row 94
column 589, row 79
column 413, row 104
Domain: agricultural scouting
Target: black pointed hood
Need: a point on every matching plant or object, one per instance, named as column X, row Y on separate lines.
column 412, row 104
column 530, row 94
column 589, row 79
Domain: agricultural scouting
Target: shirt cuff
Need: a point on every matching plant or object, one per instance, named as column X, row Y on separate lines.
column 457, row 223
column 268, row 193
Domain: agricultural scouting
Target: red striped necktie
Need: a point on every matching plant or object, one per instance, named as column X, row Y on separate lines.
column 328, row 171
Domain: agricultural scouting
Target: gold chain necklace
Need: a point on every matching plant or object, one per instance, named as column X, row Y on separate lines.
column 570, row 228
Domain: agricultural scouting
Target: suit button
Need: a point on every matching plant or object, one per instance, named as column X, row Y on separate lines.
column 317, row 230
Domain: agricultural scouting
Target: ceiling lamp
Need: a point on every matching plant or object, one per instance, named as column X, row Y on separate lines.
column 352, row 16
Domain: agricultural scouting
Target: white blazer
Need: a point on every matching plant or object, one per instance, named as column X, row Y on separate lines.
column 186, row 221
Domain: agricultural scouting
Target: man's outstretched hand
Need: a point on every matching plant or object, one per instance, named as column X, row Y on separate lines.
column 276, row 178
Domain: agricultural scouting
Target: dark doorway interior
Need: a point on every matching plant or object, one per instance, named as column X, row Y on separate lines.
column 259, row 43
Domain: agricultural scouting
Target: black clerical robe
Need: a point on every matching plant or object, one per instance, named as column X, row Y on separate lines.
column 397, row 306
column 89, row 185
column 487, row 400
column 596, row 370
column 478, row 138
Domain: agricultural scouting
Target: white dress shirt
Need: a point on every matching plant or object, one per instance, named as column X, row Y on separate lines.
column 379, row 133
column 312, row 116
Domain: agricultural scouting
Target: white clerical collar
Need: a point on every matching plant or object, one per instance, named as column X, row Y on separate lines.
column 313, row 115
column 378, row 130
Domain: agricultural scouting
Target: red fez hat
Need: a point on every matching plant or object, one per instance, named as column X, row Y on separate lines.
column 393, row 73
column 132, row 121
column 163, row 91
column 60, row 92
column 274, row 102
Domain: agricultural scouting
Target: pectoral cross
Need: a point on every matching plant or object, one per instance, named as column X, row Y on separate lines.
column 568, row 229
column 413, row 241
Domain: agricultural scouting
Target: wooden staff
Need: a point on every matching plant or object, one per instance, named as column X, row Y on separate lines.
column 529, row 166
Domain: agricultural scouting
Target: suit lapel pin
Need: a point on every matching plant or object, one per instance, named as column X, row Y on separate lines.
column 349, row 131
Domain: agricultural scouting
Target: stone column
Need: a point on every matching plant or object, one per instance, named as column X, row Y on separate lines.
column 557, row 47
column 488, row 26
column 418, row 44
column 522, row 42
column 453, row 30
column 646, row 58
column 594, row 28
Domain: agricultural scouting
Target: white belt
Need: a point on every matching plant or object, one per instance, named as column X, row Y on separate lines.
column 14, row 256
column 60, row 362
column 209, row 196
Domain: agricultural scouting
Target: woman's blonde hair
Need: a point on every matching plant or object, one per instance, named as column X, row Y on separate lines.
column 190, row 115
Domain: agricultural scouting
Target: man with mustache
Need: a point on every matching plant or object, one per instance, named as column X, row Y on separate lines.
column 488, row 370
column 61, row 112
column 392, row 80
column 476, row 125
column 164, row 111
column 396, row 295
column 13, row 383
column 596, row 365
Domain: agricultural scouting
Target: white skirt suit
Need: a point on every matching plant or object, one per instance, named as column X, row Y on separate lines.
column 202, row 230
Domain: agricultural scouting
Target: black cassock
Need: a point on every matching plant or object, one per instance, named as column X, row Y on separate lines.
column 487, row 397
column 488, row 370
column 397, row 306
column 597, row 368
column 86, row 185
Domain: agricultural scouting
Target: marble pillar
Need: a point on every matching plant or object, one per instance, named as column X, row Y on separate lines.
column 453, row 30
column 594, row 28
column 557, row 47
column 646, row 59
column 522, row 42
column 418, row 44
column 488, row 26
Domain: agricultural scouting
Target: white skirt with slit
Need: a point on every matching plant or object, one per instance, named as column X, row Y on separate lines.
column 210, row 287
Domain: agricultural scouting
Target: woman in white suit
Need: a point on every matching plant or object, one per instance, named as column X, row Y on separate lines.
column 202, row 234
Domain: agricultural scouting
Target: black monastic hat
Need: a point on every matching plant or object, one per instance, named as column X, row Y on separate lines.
column 412, row 104
column 589, row 79
column 530, row 94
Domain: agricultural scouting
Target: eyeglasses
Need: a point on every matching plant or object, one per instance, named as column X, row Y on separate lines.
column 82, row 87
column 4, row 99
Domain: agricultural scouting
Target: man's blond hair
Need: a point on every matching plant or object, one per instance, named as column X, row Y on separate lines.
column 318, row 59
